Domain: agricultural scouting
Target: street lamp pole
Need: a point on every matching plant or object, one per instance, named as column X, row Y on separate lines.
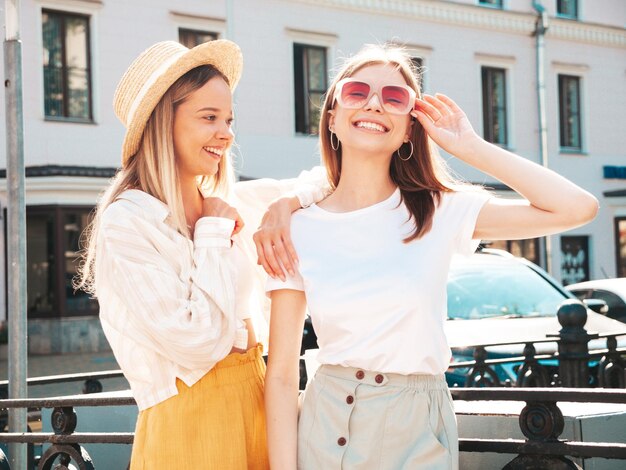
column 541, row 27
column 16, row 228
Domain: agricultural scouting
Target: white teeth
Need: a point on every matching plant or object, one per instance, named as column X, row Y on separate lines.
column 215, row 150
column 371, row 125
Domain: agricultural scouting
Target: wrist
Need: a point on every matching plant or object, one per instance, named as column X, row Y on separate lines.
column 291, row 203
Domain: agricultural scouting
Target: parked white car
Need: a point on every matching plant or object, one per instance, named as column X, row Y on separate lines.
column 612, row 291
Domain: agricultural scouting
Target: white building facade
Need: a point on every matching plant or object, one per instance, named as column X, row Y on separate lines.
column 481, row 53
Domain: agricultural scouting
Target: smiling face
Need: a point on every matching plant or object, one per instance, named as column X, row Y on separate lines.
column 202, row 129
column 371, row 128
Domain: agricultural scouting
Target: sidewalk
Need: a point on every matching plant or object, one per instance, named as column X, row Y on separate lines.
column 45, row 365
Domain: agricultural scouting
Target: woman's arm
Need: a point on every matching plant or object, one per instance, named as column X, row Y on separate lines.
column 282, row 377
column 268, row 205
column 189, row 319
column 552, row 203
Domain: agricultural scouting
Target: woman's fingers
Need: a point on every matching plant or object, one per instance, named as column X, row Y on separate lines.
column 428, row 109
column 272, row 254
column 438, row 104
column 284, row 258
column 262, row 260
column 239, row 223
column 450, row 103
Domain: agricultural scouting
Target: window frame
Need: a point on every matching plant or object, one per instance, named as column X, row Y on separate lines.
column 59, row 309
column 301, row 96
column 573, row 16
column 487, row 4
column 620, row 263
column 88, row 16
column 561, row 77
column 487, row 127
column 196, row 32
column 584, row 242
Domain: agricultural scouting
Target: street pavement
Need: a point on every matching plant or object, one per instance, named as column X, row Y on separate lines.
column 46, row 365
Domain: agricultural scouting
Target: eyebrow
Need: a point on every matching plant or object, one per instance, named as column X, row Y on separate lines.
column 208, row 109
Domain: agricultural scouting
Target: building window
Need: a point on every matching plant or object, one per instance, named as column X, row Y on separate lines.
column 567, row 9
column 620, row 245
column 66, row 66
column 191, row 37
column 310, row 74
column 494, row 105
column 528, row 248
column 569, row 113
column 491, row 3
column 574, row 259
column 52, row 250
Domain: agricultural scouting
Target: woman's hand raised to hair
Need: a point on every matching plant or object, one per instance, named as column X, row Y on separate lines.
column 216, row 207
column 445, row 122
column 273, row 238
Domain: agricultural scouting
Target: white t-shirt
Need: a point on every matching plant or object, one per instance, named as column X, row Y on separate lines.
column 375, row 302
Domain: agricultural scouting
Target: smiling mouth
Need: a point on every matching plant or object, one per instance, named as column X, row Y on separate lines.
column 372, row 126
column 215, row 152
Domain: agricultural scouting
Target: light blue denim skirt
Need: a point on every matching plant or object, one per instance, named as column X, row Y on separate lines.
column 355, row 419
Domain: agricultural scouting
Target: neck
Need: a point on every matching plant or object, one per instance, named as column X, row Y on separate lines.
column 192, row 200
column 364, row 181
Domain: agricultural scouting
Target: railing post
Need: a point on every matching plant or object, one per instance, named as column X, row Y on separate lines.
column 481, row 375
column 64, row 422
column 531, row 373
column 541, row 422
column 573, row 342
column 612, row 367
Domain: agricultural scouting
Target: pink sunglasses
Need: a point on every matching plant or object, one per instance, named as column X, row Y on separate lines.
column 352, row 93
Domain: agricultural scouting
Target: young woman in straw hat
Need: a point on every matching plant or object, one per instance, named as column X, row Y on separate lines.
column 374, row 257
column 171, row 268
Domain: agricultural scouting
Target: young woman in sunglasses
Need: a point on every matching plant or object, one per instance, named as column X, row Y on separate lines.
column 373, row 262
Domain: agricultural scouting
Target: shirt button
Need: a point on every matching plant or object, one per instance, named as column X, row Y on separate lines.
column 349, row 399
column 341, row 441
column 360, row 374
column 379, row 378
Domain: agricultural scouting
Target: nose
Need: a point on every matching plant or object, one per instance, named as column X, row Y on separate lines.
column 225, row 132
column 373, row 104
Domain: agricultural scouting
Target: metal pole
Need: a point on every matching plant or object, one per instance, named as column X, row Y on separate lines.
column 16, row 228
column 540, row 31
column 229, row 20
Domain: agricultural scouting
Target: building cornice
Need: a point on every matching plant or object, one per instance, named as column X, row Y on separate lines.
column 474, row 16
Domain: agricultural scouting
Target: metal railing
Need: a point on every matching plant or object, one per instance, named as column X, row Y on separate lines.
column 573, row 357
column 541, row 420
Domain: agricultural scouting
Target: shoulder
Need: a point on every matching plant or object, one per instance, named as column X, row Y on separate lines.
column 465, row 195
column 133, row 204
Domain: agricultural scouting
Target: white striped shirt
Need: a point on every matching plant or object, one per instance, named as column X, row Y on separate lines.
column 168, row 305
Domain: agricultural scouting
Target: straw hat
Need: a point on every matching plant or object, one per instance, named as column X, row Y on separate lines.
column 155, row 70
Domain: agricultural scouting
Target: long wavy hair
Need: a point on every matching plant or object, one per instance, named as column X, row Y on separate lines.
column 425, row 175
column 153, row 170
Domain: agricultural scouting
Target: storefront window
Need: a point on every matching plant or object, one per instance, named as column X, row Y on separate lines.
column 53, row 243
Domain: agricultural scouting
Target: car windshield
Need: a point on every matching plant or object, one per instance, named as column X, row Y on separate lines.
column 487, row 286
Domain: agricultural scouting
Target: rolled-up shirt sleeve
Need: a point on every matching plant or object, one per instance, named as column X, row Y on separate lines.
column 185, row 313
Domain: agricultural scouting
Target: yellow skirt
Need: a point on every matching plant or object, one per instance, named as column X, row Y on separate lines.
column 218, row 423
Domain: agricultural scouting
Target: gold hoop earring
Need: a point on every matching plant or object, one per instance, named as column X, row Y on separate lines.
column 334, row 147
column 410, row 154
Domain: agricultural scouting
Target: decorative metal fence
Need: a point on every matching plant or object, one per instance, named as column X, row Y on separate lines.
column 538, row 383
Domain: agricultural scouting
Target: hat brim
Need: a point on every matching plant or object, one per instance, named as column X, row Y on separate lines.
column 224, row 55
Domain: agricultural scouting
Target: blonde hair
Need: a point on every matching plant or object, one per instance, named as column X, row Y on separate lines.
column 153, row 170
column 425, row 175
